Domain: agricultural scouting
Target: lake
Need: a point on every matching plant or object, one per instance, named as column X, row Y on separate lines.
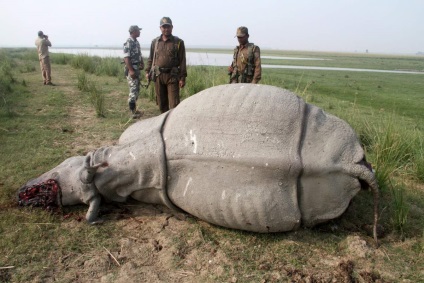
column 219, row 59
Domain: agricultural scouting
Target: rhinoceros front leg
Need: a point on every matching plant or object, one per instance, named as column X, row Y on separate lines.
column 91, row 195
column 93, row 211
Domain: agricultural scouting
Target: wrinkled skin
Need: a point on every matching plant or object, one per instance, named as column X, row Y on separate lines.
column 244, row 156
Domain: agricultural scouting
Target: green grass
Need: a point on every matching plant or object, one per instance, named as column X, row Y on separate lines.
column 387, row 93
column 41, row 126
column 341, row 60
column 27, row 237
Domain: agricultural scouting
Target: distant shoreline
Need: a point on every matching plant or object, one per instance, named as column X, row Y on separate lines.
column 219, row 49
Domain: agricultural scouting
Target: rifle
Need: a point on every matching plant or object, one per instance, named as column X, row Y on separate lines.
column 152, row 74
column 230, row 73
column 150, row 78
column 234, row 73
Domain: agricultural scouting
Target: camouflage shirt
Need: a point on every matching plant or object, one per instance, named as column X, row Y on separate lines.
column 133, row 51
column 241, row 62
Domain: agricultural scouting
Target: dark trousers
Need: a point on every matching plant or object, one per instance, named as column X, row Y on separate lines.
column 167, row 92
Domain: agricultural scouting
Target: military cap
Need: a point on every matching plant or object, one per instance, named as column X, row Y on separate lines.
column 134, row 28
column 242, row 31
column 165, row 21
column 40, row 33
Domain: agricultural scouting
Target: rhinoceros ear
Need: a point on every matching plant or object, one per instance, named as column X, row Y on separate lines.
column 89, row 169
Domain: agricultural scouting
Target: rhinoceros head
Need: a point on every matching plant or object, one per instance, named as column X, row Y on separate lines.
column 69, row 183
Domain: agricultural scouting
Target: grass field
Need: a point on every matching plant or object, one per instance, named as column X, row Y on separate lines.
column 40, row 126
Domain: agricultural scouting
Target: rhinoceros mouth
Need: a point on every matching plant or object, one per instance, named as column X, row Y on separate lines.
column 46, row 194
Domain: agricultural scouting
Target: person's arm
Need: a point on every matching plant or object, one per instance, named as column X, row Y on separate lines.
column 128, row 64
column 150, row 59
column 258, row 68
column 48, row 43
column 141, row 63
column 127, row 52
column 183, row 66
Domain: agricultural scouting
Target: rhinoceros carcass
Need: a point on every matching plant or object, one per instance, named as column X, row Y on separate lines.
column 243, row 156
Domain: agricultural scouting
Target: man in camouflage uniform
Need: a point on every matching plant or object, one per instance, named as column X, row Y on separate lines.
column 133, row 66
column 43, row 43
column 167, row 66
column 246, row 65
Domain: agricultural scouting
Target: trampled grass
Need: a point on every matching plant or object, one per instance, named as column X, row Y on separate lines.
column 41, row 126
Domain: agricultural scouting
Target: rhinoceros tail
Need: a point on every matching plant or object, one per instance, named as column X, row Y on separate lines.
column 364, row 173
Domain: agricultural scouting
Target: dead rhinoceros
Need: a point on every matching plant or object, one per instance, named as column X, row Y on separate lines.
column 250, row 157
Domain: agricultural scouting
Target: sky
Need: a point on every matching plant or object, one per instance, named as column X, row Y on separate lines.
column 379, row 26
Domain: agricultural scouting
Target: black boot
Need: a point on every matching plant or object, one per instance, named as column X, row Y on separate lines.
column 132, row 107
column 136, row 114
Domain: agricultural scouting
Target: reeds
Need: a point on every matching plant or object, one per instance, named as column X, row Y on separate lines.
column 202, row 77
column 97, row 98
column 397, row 155
column 61, row 58
column 7, row 81
column 393, row 149
column 400, row 208
column 419, row 159
column 108, row 66
column 6, row 74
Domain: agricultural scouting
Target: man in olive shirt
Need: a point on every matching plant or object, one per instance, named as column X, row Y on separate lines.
column 42, row 42
column 167, row 61
column 246, row 65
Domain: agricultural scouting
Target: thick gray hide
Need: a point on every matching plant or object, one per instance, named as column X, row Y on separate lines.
column 250, row 157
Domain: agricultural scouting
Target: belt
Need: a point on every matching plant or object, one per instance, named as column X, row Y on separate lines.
column 165, row 70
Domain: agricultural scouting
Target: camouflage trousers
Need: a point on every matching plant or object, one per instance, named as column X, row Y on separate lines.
column 134, row 85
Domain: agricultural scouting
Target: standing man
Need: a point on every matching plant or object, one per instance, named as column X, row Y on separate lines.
column 43, row 43
column 246, row 65
column 167, row 66
column 133, row 66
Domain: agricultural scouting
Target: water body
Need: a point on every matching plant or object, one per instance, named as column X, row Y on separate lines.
column 340, row 69
column 222, row 59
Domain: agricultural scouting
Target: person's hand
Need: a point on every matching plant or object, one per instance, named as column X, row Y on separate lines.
column 230, row 69
column 147, row 76
column 182, row 83
column 132, row 74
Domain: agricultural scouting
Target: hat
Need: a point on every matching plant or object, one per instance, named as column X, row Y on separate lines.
column 165, row 21
column 242, row 31
column 40, row 33
column 134, row 28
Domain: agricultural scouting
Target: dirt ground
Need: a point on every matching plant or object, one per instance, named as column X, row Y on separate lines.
column 157, row 246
